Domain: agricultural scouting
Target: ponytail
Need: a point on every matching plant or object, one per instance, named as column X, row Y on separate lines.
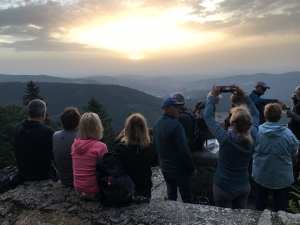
column 241, row 123
column 247, row 137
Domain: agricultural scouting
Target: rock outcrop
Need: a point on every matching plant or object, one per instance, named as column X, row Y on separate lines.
column 49, row 203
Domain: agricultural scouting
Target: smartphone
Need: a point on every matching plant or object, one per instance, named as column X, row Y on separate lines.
column 225, row 89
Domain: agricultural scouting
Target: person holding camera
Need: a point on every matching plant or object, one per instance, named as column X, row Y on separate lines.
column 231, row 180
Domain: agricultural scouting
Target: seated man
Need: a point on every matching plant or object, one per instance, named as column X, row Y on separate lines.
column 33, row 145
column 62, row 143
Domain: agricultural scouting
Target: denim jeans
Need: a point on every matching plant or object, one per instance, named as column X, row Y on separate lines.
column 236, row 199
column 279, row 197
column 181, row 180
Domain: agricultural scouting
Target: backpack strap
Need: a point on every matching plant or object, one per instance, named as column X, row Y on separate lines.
column 190, row 113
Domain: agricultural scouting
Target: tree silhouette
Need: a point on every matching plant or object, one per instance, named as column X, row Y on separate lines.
column 109, row 134
column 32, row 91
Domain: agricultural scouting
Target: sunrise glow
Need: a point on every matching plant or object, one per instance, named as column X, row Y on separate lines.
column 135, row 57
column 136, row 33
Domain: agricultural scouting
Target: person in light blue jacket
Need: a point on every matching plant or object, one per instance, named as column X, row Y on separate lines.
column 272, row 160
column 231, row 181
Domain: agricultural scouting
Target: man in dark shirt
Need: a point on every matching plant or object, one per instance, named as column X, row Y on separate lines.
column 259, row 90
column 33, row 145
column 186, row 118
column 174, row 154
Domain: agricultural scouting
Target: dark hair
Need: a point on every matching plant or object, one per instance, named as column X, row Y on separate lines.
column 272, row 112
column 150, row 130
column 35, row 108
column 70, row 118
column 236, row 100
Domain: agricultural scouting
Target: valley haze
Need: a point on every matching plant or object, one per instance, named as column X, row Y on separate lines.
column 126, row 94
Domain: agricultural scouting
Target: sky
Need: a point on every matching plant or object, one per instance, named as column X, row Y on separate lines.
column 78, row 38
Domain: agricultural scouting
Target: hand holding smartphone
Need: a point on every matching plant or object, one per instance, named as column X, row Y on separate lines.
column 226, row 89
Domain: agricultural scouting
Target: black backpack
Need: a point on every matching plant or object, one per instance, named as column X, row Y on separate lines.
column 200, row 125
column 118, row 188
column 9, row 178
column 200, row 130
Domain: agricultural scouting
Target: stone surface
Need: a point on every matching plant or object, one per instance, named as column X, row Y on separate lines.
column 265, row 218
column 32, row 203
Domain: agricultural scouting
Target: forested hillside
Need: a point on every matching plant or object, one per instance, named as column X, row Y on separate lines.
column 119, row 101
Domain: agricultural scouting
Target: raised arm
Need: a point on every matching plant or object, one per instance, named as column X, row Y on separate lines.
column 215, row 128
column 254, row 114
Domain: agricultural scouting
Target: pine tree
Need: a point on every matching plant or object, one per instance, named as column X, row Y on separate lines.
column 32, row 91
column 109, row 134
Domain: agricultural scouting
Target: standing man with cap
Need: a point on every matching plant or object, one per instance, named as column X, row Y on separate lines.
column 175, row 157
column 259, row 90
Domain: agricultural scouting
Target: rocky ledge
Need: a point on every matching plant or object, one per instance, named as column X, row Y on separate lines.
column 48, row 203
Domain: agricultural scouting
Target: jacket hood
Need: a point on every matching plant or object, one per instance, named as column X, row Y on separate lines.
column 80, row 146
column 272, row 129
column 28, row 127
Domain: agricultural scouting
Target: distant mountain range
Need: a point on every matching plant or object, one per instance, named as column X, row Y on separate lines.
column 282, row 87
column 119, row 101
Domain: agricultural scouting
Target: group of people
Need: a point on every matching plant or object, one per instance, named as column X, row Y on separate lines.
column 70, row 155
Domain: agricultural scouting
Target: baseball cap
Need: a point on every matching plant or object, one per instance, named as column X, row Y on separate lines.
column 171, row 101
column 263, row 84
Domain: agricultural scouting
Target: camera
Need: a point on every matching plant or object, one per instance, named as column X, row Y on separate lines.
column 225, row 89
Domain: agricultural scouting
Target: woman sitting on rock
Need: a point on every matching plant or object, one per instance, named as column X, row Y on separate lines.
column 231, row 180
column 137, row 153
column 86, row 151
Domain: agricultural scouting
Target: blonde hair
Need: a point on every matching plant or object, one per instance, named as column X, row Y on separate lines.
column 90, row 127
column 241, row 122
column 136, row 131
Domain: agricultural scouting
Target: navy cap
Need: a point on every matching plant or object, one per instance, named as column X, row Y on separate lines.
column 171, row 101
column 263, row 84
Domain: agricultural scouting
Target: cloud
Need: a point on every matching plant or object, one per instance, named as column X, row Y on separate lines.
column 249, row 18
column 48, row 45
column 41, row 22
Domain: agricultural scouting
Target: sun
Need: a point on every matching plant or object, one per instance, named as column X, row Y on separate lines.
column 135, row 57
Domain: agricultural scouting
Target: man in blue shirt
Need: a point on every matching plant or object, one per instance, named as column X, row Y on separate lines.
column 259, row 90
column 175, row 157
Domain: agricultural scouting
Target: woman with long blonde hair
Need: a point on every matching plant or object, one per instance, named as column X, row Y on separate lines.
column 231, row 180
column 137, row 153
column 87, row 149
